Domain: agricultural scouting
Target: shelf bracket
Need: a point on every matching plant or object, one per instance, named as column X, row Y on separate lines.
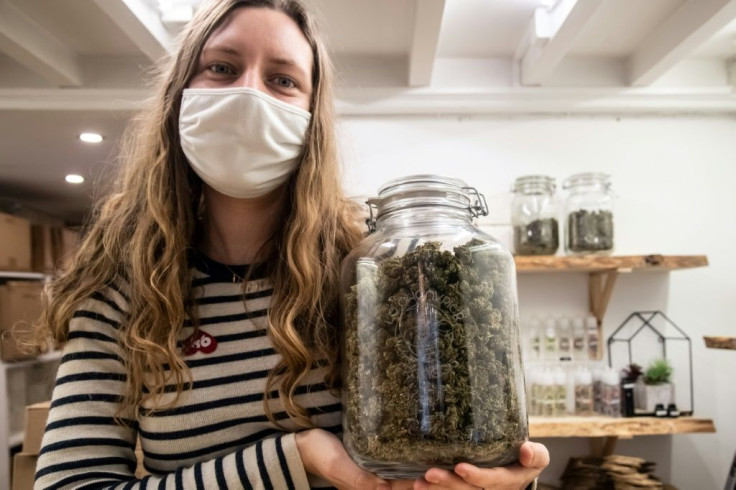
column 601, row 447
column 600, row 288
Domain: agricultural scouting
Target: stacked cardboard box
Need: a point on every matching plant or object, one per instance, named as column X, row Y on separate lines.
column 20, row 306
column 15, row 243
column 24, row 466
column 53, row 247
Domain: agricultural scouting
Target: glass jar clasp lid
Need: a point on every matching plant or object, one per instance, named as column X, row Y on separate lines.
column 479, row 207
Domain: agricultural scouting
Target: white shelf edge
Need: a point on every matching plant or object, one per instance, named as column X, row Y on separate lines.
column 47, row 357
column 22, row 275
column 16, row 438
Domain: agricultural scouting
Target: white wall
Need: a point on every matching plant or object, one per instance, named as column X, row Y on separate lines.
column 676, row 181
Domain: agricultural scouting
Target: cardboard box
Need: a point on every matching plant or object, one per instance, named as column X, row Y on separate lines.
column 53, row 247
column 15, row 243
column 20, row 306
column 36, row 416
column 43, row 256
column 24, row 471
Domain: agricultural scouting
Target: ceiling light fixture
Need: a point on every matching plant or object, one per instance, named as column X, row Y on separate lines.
column 74, row 179
column 91, row 137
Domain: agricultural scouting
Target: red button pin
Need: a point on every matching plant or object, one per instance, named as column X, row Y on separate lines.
column 199, row 341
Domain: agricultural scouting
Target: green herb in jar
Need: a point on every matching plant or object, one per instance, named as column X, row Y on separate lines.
column 539, row 237
column 590, row 231
column 430, row 349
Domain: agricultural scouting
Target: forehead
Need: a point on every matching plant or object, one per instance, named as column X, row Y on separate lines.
column 263, row 31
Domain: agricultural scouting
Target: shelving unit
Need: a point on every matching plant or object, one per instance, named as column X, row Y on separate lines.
column 603, row 271
column 604, row 432
column 8, row 438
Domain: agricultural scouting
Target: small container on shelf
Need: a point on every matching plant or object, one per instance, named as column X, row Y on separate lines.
column 589, row 214
column 550, row 340
column 578, row 342
column 610, row 393
column 583, row 393
column 564, row 336
column 560, row 397
column 548, row 400
column 534, row 216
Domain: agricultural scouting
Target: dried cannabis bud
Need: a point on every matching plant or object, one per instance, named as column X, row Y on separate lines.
column 433, row 370
column 590, row 231
column 540, row 237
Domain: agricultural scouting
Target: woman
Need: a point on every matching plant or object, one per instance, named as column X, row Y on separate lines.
column 224, row 371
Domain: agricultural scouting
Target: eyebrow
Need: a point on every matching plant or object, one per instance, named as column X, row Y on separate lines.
column 224, row 49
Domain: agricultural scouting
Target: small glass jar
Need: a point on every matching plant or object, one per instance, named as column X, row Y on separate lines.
column 589, row 211
column 534, row 216
column 432, row 371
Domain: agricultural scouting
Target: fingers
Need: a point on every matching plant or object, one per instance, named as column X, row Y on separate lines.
column 402, row 484
column 436, row 478
column 507, row 477
column 346, row 474
column 534, row 455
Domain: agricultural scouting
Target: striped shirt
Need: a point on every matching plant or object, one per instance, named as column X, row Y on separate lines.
column 216, row 436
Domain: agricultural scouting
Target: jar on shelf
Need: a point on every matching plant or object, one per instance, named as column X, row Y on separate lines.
column 534, row 216
column 432, row 371
column 589, row 214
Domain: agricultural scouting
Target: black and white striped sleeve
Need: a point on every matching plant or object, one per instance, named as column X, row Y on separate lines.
column 85, row 447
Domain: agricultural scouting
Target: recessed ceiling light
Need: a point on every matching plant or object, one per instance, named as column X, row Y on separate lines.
column 90, row 137
column 74, row 179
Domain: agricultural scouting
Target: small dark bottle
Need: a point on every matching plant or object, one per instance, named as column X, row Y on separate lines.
column 627, row 395
column 672, row 411
column 659, row 410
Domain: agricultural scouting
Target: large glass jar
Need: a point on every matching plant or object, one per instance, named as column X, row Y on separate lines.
column 432, row 371
column 534, row 216
column 589, row 210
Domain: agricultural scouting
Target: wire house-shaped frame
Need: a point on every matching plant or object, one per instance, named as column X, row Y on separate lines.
column 640, row 334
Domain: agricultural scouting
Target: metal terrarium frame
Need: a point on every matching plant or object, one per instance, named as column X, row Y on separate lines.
column 647, row 318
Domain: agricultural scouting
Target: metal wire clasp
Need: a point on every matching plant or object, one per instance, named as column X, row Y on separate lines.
column 371, row 220
column 480, row 206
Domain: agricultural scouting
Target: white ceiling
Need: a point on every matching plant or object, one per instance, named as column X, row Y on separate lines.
column 383, row 49
column 484, row 28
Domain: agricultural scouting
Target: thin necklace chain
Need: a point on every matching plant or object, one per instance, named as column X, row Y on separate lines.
column 235, row 275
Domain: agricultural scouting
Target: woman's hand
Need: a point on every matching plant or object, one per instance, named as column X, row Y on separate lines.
column 533, row 458
column 324, row 455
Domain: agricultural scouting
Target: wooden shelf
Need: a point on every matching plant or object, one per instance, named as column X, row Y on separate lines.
column 596, row 263
column 624, row 427
column 728, row 343
column 602, row 272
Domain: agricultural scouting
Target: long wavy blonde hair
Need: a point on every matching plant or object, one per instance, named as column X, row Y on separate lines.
column 143, row 231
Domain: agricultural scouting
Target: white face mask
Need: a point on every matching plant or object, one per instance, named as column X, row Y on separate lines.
column 240, row 141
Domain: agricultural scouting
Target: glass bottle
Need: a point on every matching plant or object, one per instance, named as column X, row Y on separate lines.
column 550, row 340
column 611, row 393
column 591, row 329
column 534, row 216
column 535, row 339
column 432, row 370
column 578, row 343
column 549, row 394
column 564, row 335
column 560, row 396
column 583, row 393
column 589, row 214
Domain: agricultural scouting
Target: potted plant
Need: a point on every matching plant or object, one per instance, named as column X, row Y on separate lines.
column 654, row 386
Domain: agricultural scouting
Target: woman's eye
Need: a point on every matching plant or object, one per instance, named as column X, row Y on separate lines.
column 285, row 82
column 220, row 69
